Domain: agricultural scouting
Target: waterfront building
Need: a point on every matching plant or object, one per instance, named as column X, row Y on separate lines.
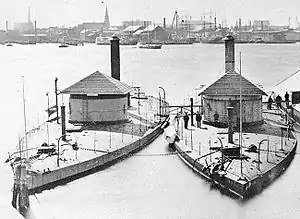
column 136, row 23
column 131, row 30
column 92, row 25
column 152, row 33
column 261, row 25
column 91, row 30
column 25, row 27
column 225, row 92
column 2, row 35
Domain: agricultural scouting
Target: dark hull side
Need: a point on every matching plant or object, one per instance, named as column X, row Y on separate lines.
column 233, row 187
column 38, row 183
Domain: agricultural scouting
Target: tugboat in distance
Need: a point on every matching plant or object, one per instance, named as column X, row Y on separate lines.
column 150, row 46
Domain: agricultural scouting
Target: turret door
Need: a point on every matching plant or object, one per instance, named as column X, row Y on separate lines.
column 85, row 110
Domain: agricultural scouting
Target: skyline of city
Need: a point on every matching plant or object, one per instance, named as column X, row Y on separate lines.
column 73, row 12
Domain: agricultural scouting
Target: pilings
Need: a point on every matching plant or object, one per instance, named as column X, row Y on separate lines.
column 20, row 199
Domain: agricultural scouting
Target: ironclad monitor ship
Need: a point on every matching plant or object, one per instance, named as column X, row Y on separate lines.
column 242, row 145
column 100, row 110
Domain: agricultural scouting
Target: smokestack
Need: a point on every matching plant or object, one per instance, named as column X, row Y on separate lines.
column 240, row 24
column 164, row 23
column 115, row 57
column 215, row 23
column 230, row 124
column 63, row 122
column 229, row 54
column 6, row 25
column 35, row 39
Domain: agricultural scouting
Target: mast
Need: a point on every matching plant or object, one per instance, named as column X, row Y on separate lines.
column 47, row 94
column 24, row 111
column 241, row 116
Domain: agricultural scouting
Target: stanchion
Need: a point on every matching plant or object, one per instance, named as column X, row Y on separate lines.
column 122, row 133
column 109, row 136
column 132, row 130
column 192, row 148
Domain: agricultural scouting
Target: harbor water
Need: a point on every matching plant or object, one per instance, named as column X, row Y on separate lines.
column 149, row 184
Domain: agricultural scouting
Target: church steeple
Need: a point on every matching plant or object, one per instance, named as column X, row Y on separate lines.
column 106, row 19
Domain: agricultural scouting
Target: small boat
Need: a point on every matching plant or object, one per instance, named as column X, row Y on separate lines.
column 72, row 43
column 150, row 43
column 63, row 45
column 128, row 41
column 9, row 44
column 102, row 40
column 150, row 46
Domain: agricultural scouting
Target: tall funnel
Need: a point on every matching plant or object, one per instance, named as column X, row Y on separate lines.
column 115, row 57
column 229, row 54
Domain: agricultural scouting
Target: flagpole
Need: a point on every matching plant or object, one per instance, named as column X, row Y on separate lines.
column 56, row 100
column 25, row 125
column 241, row 116
column 47, row 94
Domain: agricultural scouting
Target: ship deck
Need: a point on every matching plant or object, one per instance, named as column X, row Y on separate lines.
column 200, row 147
column 93, row 140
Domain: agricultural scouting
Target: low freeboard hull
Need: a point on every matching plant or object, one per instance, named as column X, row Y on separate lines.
column 39, row 182
column 235, row 187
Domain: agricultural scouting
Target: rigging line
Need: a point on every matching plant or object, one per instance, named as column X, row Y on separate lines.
column 287, row 78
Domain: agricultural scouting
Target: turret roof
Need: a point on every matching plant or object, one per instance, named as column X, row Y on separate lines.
column 98, row 83
column 229, row 84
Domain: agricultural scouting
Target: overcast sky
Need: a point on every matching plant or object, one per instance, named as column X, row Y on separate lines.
column 71, row 12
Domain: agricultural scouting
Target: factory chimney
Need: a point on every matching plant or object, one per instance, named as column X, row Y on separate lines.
column 229, row 54
column 115, row 57
column 6, row 26
column 164, row 23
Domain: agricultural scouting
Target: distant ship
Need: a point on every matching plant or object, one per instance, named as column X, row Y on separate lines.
column 181, row 41
column 103, row 40
column 128, row 41
column 150, row 46
column 63, row 45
